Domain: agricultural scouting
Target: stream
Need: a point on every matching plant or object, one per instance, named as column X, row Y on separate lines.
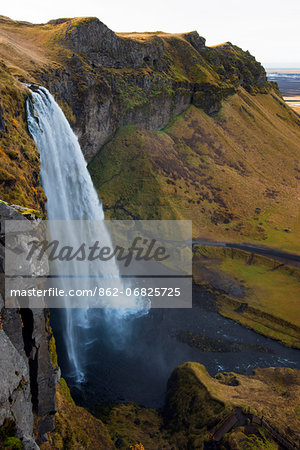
column 138, row 368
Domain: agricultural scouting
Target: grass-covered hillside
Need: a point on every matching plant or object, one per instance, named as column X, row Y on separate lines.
column 235, row 174
column 256, row 291
column 197, row 405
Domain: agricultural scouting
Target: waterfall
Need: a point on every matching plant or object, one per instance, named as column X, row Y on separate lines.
column 70, row 197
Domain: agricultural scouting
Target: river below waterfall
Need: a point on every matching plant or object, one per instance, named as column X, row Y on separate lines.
column 138, row 368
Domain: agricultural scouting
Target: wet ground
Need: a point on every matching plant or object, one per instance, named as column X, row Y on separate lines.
column 132, row 360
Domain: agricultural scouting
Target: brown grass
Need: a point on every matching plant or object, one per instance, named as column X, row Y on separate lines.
column 75, row 427
column 236, row 175
column 272, row 393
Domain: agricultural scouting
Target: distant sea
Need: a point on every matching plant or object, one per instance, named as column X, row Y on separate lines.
column 288, row 81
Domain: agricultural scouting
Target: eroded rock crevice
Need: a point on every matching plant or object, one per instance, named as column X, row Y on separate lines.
column 27, row 378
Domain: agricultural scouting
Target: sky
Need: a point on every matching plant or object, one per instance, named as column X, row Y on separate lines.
column 269, row 29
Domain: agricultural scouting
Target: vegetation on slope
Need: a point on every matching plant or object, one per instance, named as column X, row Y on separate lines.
column 130, row 425
column 124, row 79
column 75, row 427
column 20, row 165
column 196, row 403
column 229, row 162
column 8, row 439
column 235, row 175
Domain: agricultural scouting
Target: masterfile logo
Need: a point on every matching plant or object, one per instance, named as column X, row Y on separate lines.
column 92, row 264
column 140, row 250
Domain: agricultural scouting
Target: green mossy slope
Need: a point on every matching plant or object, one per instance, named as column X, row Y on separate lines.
column 252, row 290
column 20, row 164
column 196, row 403
column 75, row 427
column 234, row 175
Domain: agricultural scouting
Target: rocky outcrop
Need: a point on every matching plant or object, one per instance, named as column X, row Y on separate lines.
column 200, row 409
column 198, row 42
column 15, row 396
column 27, row 377
column 102, row 101
column 101, row 47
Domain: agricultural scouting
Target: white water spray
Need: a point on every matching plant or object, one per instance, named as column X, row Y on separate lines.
column 71, row 197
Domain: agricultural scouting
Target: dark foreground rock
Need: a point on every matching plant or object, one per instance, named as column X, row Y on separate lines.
column 27, row 377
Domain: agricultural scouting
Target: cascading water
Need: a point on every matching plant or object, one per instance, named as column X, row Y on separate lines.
column 70, row 197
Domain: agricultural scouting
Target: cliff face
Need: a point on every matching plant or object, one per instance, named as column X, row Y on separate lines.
column 27, row 377
column 101, row 47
